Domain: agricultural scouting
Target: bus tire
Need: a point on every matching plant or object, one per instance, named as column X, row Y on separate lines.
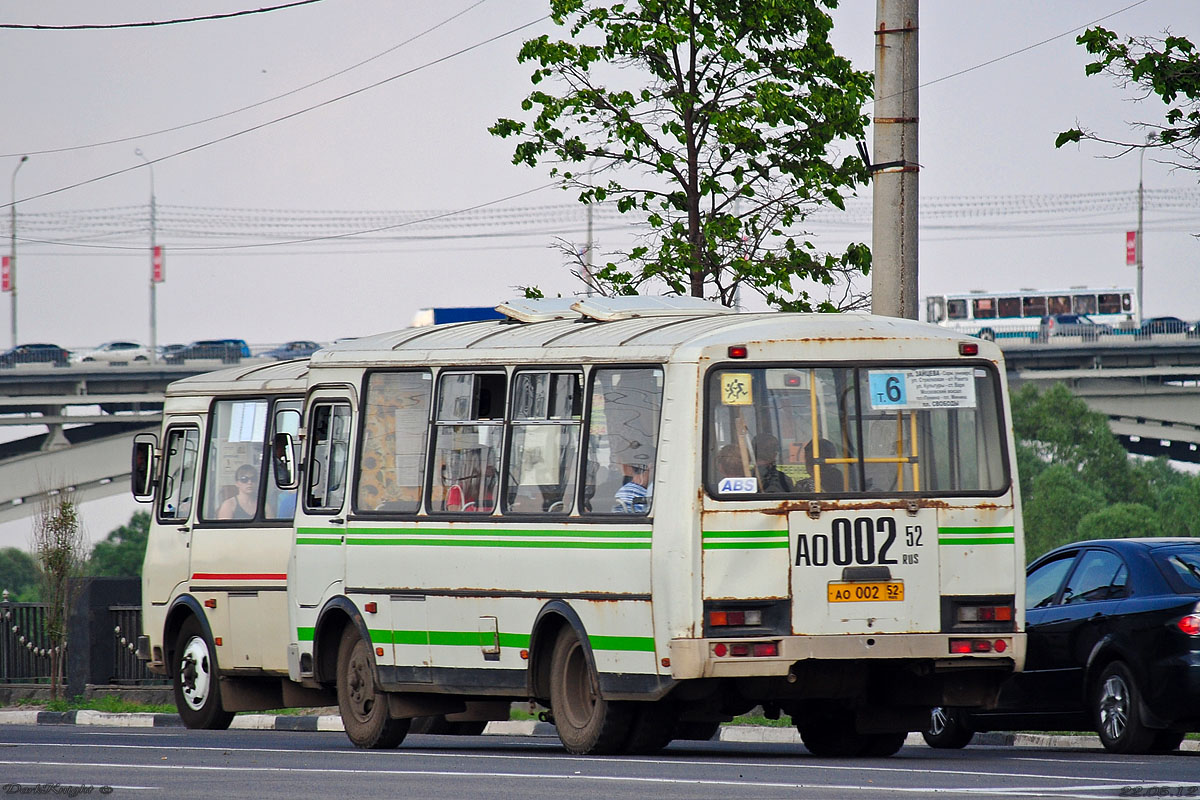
column 882, row 745
column 988, row 335
column 197, row 680
column 697, row 730
column 831, row 735
column 363, row 705
column 587, row 723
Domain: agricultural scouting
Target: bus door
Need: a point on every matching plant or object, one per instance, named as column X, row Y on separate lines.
column 240, row 544
column 168, row 550
column 320, row 544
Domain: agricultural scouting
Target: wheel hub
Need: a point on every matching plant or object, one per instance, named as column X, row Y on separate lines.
column 195, row 677
column 1114, row 707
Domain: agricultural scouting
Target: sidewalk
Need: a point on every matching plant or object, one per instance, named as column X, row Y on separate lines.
column 333, row 722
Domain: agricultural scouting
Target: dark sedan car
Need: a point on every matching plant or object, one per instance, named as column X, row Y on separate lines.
column 35, row 354
column 1113, row 646
column 228, row 350
column 1163, row 325
column 297, row 349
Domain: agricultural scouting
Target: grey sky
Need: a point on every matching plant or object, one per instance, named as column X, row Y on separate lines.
column 419, row 142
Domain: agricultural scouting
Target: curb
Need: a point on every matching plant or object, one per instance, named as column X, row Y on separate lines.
column 333, row 722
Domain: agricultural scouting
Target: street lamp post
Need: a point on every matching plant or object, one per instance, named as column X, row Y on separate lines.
column 12, row 254
column 1137, row 249
column 153, row 245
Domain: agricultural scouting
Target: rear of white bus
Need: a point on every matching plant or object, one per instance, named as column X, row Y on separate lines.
column 861, row 547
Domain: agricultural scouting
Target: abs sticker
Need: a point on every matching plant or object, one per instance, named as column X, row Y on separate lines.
column 938, row 387
column 738, row 486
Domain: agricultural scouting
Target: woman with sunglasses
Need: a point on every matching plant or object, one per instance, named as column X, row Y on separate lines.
column 244, row 504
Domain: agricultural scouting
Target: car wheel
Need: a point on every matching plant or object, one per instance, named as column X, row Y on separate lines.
column 1117, row 712
column 948, row 729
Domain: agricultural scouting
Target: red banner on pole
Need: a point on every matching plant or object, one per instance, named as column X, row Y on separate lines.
column 1131, row 245
column 156, row 268
column 5, row 276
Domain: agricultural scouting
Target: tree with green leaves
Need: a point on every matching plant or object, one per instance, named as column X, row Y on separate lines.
column 121, row 553
column 1166, row 67
column 716, row 120
column 58, row 548
column 19, row 575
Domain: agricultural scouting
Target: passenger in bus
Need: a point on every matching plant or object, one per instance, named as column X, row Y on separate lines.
column 831, row 476
column 633, row 497
column 729, row 463
column 244, row 504
column 770, row 477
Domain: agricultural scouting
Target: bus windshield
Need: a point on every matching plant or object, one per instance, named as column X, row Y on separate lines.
column 894, row 429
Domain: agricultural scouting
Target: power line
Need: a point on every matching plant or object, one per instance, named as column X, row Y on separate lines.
column 157, row 23
column 285, row 117
column 142, row 136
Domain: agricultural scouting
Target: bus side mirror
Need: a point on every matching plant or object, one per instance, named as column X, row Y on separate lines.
column 283, row 461
column 141, row 469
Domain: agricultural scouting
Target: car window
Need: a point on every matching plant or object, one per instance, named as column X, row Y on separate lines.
column 1183, row 564
column 1096, row 578
column 1041, row 585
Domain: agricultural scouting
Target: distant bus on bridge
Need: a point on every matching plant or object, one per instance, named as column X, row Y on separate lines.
column 1019, row 313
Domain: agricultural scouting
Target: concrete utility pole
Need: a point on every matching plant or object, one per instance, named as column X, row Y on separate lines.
column 153, row 256
column 12, row 255
column 894, row 229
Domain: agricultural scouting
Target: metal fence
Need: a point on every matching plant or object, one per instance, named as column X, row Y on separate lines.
column 24, row 656
column 107, row 634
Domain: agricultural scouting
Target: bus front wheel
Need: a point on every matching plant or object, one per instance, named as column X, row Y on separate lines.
column 197, row 680
column 587, row 723
column 363, row 705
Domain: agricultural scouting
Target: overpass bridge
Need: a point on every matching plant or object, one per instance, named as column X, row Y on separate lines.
column 73, row 427
column 77, row 422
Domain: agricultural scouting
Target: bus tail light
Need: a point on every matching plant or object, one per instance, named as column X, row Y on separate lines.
column 746, row 649
column 719, row 619
column 968, row 349
column 967, row 646
column 985, row 614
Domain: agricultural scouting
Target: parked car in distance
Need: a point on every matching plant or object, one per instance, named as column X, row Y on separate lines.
column 35, row 354
column 1113, row 646
column 1164, row 325
column 114, row 352
column 228, row 350
column 1073, row 325
column 296, row 349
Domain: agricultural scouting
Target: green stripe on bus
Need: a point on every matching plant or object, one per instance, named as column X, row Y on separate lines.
column 640, row 644
column 554, row 545
column 305, row 634
column 744, row 535
column 590, row 533
column 300, row 540
column 978, row 530
column 776, row 545
column 993, row 540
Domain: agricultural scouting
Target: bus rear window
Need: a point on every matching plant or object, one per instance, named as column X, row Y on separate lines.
column 896, row 429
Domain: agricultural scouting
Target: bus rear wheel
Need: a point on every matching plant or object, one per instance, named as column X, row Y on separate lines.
column 363, row 705
column 587, row 723
column 197, row 680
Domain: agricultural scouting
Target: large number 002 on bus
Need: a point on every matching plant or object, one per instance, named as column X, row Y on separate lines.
column 855, row 592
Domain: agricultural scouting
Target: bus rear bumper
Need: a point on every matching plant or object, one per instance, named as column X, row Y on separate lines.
column 713, row 658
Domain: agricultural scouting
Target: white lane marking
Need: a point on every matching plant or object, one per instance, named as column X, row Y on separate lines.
column 874, row 788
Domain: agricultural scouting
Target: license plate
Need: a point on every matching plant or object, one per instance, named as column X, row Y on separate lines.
column 866, row 592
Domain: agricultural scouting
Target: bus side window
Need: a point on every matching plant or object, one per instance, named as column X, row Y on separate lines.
column 281, row 503
column 467, row 437
column 329, row 448
column 956, row 309
column 540, row 475
column 391, row 469
column 622, row 443
column 179, row 474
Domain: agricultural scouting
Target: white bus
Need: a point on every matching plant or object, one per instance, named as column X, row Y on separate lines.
column 1019, row 313
column 648, row 517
